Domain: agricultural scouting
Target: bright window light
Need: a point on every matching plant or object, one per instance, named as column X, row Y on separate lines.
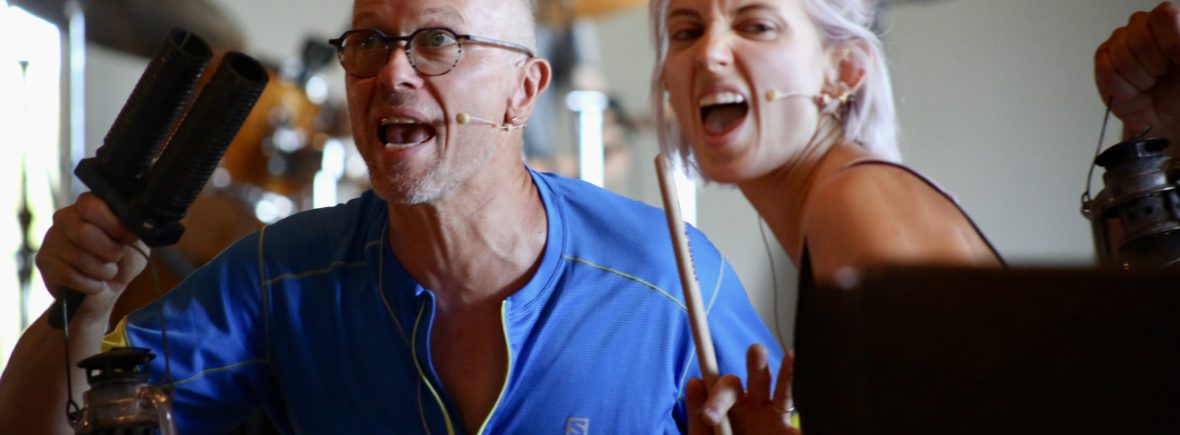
column 30, row 116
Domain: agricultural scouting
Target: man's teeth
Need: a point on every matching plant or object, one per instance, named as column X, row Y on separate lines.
column 396, row 121
column 721, row 98
column 385, row 122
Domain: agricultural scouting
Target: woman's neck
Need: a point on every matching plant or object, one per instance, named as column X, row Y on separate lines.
column 780, row 197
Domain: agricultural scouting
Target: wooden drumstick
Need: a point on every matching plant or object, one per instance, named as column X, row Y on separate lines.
column 697, row 317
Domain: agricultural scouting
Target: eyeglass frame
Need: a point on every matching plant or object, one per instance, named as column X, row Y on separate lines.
column 338, row 44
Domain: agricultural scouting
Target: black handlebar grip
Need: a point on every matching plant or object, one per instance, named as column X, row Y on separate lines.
column 152, row 109
column 190, row 157
column 202, row 137
column 68, row 300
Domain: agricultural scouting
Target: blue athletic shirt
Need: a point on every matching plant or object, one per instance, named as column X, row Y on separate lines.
column 314, row 321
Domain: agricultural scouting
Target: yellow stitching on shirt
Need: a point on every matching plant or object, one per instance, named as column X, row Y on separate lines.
column 631, row 277
column 335, row 264
column 414, row 354
column 693, row 355
column 716, row 290
column 507, row 373
column 222, row 369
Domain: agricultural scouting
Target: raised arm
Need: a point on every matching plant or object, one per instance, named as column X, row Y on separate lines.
column 89, row 251
column 1138, row 70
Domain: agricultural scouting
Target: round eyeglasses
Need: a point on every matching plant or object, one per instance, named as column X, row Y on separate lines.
column 432, row 51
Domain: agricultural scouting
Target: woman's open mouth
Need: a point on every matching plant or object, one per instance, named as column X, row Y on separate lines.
column 721, row 112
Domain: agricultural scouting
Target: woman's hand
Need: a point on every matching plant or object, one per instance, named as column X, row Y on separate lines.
column 756, row 411
column 1138, row 70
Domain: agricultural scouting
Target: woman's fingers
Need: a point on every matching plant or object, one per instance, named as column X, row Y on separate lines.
column 722, row 396
column 758, row 372
column 782, row 387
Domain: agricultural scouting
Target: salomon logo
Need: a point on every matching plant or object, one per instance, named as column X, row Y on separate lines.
column 577, row 426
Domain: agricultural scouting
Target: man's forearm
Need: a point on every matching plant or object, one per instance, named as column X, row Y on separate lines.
column 33, row 386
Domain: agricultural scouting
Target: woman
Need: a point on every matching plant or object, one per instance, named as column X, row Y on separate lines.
column 790, row 101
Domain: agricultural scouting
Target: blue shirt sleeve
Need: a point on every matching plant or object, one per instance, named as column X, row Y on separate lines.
column 216, row 342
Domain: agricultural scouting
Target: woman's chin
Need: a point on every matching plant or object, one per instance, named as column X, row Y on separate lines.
column 734, row 171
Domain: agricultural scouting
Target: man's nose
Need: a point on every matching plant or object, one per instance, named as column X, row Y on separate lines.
column 398, row 72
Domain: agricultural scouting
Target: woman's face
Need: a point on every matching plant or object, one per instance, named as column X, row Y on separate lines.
column 724, row 57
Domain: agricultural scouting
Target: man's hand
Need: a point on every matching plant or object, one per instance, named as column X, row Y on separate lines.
column 1138, row 70
column 757, row 411
column 88, row 250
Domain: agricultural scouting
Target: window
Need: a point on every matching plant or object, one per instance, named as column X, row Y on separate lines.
column 30, row 118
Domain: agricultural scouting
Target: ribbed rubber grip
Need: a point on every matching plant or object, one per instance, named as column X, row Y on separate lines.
column 203, row 136
column 152, row 109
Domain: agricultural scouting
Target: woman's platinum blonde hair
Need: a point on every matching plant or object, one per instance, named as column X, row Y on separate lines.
column 872, row 120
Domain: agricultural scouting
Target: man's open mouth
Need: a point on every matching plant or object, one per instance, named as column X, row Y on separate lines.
column 399, row 132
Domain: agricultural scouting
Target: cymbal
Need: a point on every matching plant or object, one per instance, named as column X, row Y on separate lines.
column 138, row 26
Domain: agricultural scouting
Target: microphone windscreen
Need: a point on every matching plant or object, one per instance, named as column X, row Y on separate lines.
column 202, row 137
column 463, row 118
column 152, row 109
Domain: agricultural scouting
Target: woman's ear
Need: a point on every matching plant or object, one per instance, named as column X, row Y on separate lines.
column 849, row 62
column 535, row 77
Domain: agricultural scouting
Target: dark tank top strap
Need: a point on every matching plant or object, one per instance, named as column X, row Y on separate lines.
column 937, row 188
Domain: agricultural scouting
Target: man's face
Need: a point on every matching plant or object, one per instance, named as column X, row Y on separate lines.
column 404, row 123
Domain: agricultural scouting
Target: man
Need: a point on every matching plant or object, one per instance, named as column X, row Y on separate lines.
column 464, row 293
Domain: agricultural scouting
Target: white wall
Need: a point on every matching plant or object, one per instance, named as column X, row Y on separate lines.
column 996, row 101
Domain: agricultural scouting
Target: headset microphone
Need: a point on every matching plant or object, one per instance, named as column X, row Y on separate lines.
column 467, row 118
column 775, row 94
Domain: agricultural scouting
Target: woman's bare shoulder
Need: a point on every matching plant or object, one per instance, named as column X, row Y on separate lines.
column 881, row 213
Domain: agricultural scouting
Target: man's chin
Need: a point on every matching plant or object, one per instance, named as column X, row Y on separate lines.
column 415, row 192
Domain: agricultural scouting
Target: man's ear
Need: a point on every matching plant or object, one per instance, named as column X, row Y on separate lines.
column 849, row 63
column 535, row 74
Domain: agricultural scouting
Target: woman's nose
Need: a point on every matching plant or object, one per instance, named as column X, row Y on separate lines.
column 714, row 50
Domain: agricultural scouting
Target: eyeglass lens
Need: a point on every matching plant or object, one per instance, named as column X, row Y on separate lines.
column 431, row 52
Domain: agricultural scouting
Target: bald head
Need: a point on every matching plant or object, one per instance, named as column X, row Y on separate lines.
column 515, row 20
column 524, row 12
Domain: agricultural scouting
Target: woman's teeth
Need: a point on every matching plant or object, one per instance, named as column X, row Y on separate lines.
column 722, row 111
column 721, row 98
